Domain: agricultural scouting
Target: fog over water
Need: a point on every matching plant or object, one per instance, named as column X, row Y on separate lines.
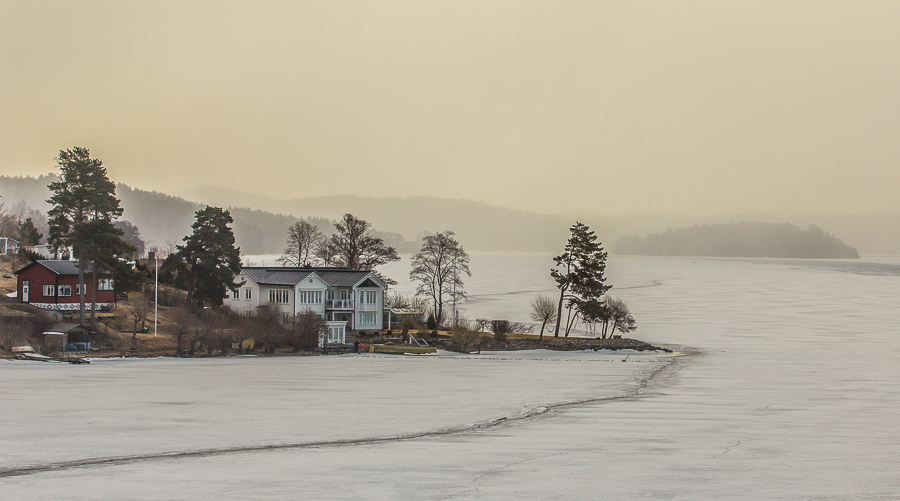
column 787, row 390
column 577, row 107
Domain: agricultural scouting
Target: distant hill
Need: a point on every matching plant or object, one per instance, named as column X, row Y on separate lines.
column 739, row 240
column 261, row 222
column 479, row 226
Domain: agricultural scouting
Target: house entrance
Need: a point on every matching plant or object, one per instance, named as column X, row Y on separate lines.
column 24, row 291
column 336, row 333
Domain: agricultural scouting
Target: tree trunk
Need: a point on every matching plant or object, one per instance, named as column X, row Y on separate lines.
column 94, row 284
column 81, row 289
column 542, row 330
column 562, row 294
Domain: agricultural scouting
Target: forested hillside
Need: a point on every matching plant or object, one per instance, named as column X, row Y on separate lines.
column 739, row 240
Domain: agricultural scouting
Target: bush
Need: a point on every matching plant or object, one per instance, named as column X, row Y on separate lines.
column 431, row 323
column 500, row 328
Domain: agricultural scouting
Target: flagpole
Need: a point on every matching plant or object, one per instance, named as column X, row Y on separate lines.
column 156, row 296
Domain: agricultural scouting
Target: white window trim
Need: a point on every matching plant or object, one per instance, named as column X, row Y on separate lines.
column 49, row 291
column 362, row 317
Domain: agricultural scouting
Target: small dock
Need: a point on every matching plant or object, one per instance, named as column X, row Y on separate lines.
column 395, row 349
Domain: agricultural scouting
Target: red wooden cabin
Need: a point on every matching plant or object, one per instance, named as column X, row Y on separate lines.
column 53, row 285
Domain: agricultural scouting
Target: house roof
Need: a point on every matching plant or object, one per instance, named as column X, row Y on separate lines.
column 63, row 328
column 58, row 266
column 334, row 277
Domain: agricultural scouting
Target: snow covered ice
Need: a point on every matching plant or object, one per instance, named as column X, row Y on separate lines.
column 790, row 393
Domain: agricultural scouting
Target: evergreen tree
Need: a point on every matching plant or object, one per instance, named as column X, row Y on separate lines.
column 84, row 208
column 208, row 261
column 579, row 275
column 28, row 233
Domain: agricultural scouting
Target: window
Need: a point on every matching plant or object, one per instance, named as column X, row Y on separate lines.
column 236, row 294
column 248, row 293
column 105, row 284
column 65, row 290
column 366, row 319
column 48, row 290
column 367, row 297
column 310, row 297
column 279, row 296
column 78, row 289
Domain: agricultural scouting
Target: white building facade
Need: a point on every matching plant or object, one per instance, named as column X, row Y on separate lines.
column 349, row 300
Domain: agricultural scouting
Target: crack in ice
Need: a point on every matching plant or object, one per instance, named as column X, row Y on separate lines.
column 544, row 410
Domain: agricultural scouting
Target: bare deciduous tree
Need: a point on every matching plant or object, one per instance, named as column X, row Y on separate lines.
column 358, row 249
column 141, row 308
column 306, row 330
column 326, row 251
column 543, row 310
column 438, row 267
column 620, row 318
column 303, row 236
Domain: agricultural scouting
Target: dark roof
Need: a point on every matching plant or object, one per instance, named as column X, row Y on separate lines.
column 59, row 267
column 335, row 277
column 64, row 328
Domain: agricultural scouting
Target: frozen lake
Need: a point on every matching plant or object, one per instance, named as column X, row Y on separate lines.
column 792, row 393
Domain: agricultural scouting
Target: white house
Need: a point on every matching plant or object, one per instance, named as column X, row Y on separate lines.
column 348, row 300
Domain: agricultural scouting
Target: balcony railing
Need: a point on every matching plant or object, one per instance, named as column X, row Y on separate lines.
column 339, row 304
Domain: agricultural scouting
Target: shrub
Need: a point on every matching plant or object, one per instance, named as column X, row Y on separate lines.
column 500, row 328
column 431, row 323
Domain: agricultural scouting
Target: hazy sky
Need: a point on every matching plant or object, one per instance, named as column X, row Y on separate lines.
column 590, row 107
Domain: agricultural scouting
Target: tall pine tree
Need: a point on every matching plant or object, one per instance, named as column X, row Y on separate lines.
column 208, row 261
column 84, row 208
column 579, row 275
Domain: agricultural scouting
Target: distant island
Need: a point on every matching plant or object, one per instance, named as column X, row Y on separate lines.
column 738, row 240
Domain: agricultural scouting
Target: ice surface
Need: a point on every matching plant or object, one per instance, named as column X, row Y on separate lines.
column 793, row 395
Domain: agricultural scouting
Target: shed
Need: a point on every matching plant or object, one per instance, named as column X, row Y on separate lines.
column 67, row 337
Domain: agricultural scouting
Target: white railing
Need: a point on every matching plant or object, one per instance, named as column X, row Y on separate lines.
column 339, row 304
column 367, row 307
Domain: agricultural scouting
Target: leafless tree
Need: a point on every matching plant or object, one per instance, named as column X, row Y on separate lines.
column 438, row 267
column 465, row 339
column 306, row 330
column 185, row 324
column 482, row 324
column 543, row 310
column 303, row 236
column 620, row 318
column 358, row 249
column 141, row 308
column 326, row 251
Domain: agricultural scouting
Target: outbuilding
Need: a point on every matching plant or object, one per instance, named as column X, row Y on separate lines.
column 67, row 337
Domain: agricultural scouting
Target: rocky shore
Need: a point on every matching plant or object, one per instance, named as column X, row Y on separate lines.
column 574, row 344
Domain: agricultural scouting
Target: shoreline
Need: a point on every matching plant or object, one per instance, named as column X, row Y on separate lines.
column 512, row 344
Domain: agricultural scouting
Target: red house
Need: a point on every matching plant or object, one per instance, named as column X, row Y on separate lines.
column 53, row 285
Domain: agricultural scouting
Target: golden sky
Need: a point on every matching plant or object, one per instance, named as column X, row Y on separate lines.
column 592, row 108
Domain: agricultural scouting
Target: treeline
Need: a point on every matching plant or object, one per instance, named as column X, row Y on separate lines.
column 164, row 219
column 739, row 240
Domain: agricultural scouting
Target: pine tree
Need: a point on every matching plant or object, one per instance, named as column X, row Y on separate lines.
column 28, row 233
column 208, row 261
column 579, row 275
column 84, row 208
